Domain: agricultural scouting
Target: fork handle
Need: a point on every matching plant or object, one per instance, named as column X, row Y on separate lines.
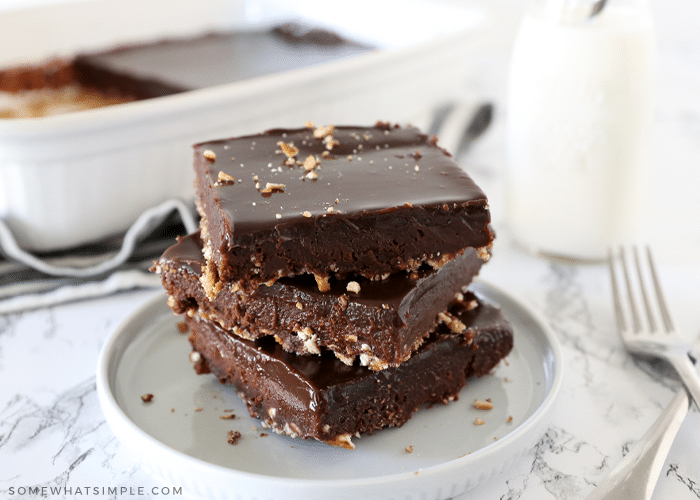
column 687, row 373
column 636, row 475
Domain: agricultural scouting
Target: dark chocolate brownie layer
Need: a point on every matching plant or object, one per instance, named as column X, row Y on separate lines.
column 320, row 397
column 381, row 322
column 331, row 201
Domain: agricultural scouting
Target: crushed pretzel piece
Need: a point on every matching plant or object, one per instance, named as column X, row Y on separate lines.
column 452, row 323
column 224, row 179
column 323, row 132
column 289, row 149
column 310, row 163
column 272, row 186
column 322, row 283
column 330, row 142
column 483, row 405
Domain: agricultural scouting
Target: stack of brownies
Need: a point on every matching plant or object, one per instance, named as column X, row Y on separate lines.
column 328, row 280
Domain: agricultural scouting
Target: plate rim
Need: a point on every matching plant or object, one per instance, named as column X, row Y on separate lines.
column 121, row 424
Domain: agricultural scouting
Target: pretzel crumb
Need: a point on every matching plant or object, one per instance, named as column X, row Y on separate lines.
column 483, row 405
column 310, row 163
column 232, row 437
column 409, row 449
column 272, row 186
column 483, row 254
column 209, row 155
column 353, row 286
column 478, row 421
column 147, row 398
column 452, row 323
column 224, row 179
column 289, row 149
column 322, row 283
column 323, row 132
column 330, row 142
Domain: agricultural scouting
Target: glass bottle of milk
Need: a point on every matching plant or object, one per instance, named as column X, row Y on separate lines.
column 579, row 121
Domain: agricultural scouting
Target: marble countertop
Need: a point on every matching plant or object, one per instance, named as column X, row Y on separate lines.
column 53, row 433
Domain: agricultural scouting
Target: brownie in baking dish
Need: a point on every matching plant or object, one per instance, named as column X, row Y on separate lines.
column 379, row 322
column 333, row 202
column 150, row 69
column 322, row 398
column 174, row 65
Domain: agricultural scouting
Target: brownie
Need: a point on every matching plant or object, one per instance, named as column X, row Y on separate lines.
column 332, row 202
column 381, row 322
column 154, row 69
column 322, row 398
column 171, row 66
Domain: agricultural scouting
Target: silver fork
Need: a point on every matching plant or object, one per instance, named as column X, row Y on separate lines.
column 636, row 475
column 649, row 340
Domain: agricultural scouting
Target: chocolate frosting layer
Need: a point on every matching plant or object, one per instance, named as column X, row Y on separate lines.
column 370, row 169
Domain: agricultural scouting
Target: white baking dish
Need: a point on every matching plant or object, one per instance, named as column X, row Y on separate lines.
column 74, row 178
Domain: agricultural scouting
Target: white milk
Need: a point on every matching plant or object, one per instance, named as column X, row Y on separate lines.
column 580, row 110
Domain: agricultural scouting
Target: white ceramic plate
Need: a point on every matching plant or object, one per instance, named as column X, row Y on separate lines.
column 180, row 436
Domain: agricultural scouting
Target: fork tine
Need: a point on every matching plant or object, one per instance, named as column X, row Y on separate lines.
column 636, row 322
column 643, row 290
column 619, row 315
column 665, row 315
